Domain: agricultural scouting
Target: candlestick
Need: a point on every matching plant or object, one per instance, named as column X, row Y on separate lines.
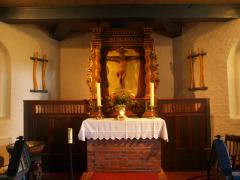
column 70, row 135
column 71, row 177
column 99, row 116
column 152, row 113
column 152, row 94
column 99, row 103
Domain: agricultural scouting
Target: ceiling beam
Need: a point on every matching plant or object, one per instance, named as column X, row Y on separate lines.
column 105, row 12
column 61, row 30
column 168, row 29
column 173, row 29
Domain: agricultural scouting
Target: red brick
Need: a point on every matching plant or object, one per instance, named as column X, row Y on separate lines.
column 124, row 155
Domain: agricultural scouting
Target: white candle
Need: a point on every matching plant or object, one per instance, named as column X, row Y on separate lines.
column 99, row 103
column 152, row 94
column 70, row 135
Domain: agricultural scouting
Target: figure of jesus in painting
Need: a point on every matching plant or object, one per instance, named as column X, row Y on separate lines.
column 121, row 74
column 123, row 69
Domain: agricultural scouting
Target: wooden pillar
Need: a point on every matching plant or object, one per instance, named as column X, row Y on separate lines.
column 94, row 70
column 148, row 47
column 44, row 67
column 35, row 63
column 148, row 72
column 97, row 64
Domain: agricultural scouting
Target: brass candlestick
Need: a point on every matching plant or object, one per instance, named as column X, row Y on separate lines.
column 152, row 116
column 99, row 116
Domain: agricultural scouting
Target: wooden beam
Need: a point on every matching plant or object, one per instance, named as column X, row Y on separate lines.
column 61, row 31
column 2, row 11
column 168, row 28
column 104, row 12
column 173, row 29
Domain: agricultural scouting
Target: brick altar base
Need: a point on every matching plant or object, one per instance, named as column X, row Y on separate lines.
column 124, row 155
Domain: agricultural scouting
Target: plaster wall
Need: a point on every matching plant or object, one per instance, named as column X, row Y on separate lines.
column 18, row 42
column 164, row 52
column 217, row 39
column 74, row 53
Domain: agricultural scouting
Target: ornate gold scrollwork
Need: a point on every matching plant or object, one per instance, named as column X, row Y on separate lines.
column 106, row 47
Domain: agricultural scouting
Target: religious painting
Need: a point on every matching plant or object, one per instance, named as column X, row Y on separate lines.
column 123, row 67
column 122, row 59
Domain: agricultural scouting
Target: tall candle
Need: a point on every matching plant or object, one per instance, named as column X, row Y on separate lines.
column 152, row 94
column 70, row 135
column 99, row 103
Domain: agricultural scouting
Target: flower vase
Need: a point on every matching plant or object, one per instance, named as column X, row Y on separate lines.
column 121, row 112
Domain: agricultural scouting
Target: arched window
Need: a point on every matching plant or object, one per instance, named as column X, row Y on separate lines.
column 4, row 83
column 233, row 70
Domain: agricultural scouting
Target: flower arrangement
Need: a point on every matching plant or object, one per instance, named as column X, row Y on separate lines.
column 120, row 100
column 122, row 97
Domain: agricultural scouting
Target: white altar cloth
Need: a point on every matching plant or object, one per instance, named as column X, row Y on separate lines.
column 110, row 128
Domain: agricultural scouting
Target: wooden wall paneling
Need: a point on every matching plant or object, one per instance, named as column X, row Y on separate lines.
column 198, row 132
column 187, row 121
column 190, row 132
column 48, row 121
column 188, row 125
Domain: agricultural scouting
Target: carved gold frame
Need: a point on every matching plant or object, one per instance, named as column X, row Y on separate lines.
column 105, row 39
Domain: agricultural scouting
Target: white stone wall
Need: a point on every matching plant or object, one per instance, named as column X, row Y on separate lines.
column 217, row 39
column 19, row 42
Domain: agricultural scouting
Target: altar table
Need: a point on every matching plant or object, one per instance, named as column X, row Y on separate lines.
column 110, row 128
column 120, row 146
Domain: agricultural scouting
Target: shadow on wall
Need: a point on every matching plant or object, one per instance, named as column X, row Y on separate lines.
column 34, row 31
column 77, row 41
column 5, row 82
column 181, row 71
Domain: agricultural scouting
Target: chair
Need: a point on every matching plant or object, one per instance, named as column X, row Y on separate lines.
column 233, row 145
column 220, row 153
column 20, row 162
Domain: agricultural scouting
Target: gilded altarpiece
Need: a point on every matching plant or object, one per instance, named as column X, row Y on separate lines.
column 122, row 59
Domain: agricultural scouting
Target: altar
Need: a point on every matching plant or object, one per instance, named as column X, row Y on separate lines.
column 133, row 144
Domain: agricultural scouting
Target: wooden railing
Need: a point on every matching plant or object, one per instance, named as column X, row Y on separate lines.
column 169, row 106
column 59, row 108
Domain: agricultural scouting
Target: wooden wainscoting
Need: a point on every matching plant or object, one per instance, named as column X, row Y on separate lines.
column 48, row 121
column 187, row 121
column 188, row 124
